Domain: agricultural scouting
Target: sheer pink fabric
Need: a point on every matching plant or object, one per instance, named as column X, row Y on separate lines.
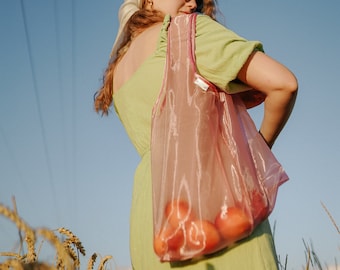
column 214, row 177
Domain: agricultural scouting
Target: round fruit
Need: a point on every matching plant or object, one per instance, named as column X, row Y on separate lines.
column 259, row 207
column 202, row 235
column 160, row 246
column 233, row 224
column 168, row 240
column 178, row 212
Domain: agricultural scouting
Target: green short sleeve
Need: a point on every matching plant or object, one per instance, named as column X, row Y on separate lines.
column 221, row 53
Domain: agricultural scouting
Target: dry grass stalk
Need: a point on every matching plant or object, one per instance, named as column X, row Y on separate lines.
column 331, row 217
column 92, row 261
column 63, row 259
column 31, row 255
column 103, row 262
column 17, row 256
column 308, row 260
column 312, row 258
column 15, row 265
column 19, row 231
column 67, row 258
column 72, row 253
column 72, row 238
column 283, row 266
column 11, row 264
column 22, row 226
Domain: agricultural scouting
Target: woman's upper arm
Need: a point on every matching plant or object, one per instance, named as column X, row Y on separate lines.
column 221, row 53
column 265, row 74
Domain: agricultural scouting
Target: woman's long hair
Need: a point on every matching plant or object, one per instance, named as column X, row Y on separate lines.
column 139, row 21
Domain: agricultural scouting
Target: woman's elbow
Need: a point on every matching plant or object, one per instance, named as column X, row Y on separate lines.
column 291, row 85
column 284, row 83
column 265, row 74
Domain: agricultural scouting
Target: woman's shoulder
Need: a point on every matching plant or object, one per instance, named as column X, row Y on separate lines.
column 206, row 22
column 206, row 26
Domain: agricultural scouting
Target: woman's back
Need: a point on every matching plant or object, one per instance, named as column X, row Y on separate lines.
column 141, row 48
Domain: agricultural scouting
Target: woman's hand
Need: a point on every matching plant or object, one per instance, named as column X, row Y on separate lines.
column 280, row 86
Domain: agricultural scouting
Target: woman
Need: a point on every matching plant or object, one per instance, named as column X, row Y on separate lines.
column 132, row 82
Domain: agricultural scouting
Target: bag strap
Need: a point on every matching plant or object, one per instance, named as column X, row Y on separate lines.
column 181, row 40
column 180, row 46
column 191, row 40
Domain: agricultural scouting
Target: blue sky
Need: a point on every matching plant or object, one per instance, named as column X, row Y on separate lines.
column 67, row 166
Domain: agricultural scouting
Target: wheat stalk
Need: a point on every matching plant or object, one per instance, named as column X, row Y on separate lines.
column 30, row 240
column 19, row 231
column 63, row 258
column 21, row 225
column 103, row 262
column 72, row 253
column 92, row 261
column 12, row 254
column 11, row 264
column 65, row 252
column 73, row 239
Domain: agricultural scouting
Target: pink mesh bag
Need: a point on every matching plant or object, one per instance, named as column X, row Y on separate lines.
column 214, row 178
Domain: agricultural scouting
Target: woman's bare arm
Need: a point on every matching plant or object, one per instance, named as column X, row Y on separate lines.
column 280, row 86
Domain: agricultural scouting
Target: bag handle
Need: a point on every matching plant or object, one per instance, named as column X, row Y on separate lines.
column 179, row 27
column 191, row 40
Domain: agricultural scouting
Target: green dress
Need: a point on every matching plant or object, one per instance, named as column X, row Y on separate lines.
column 133, row 103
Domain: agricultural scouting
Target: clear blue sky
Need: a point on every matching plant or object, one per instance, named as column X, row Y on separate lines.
column 67, row 166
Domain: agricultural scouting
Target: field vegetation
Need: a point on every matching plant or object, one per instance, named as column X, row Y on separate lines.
column 68, row 249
